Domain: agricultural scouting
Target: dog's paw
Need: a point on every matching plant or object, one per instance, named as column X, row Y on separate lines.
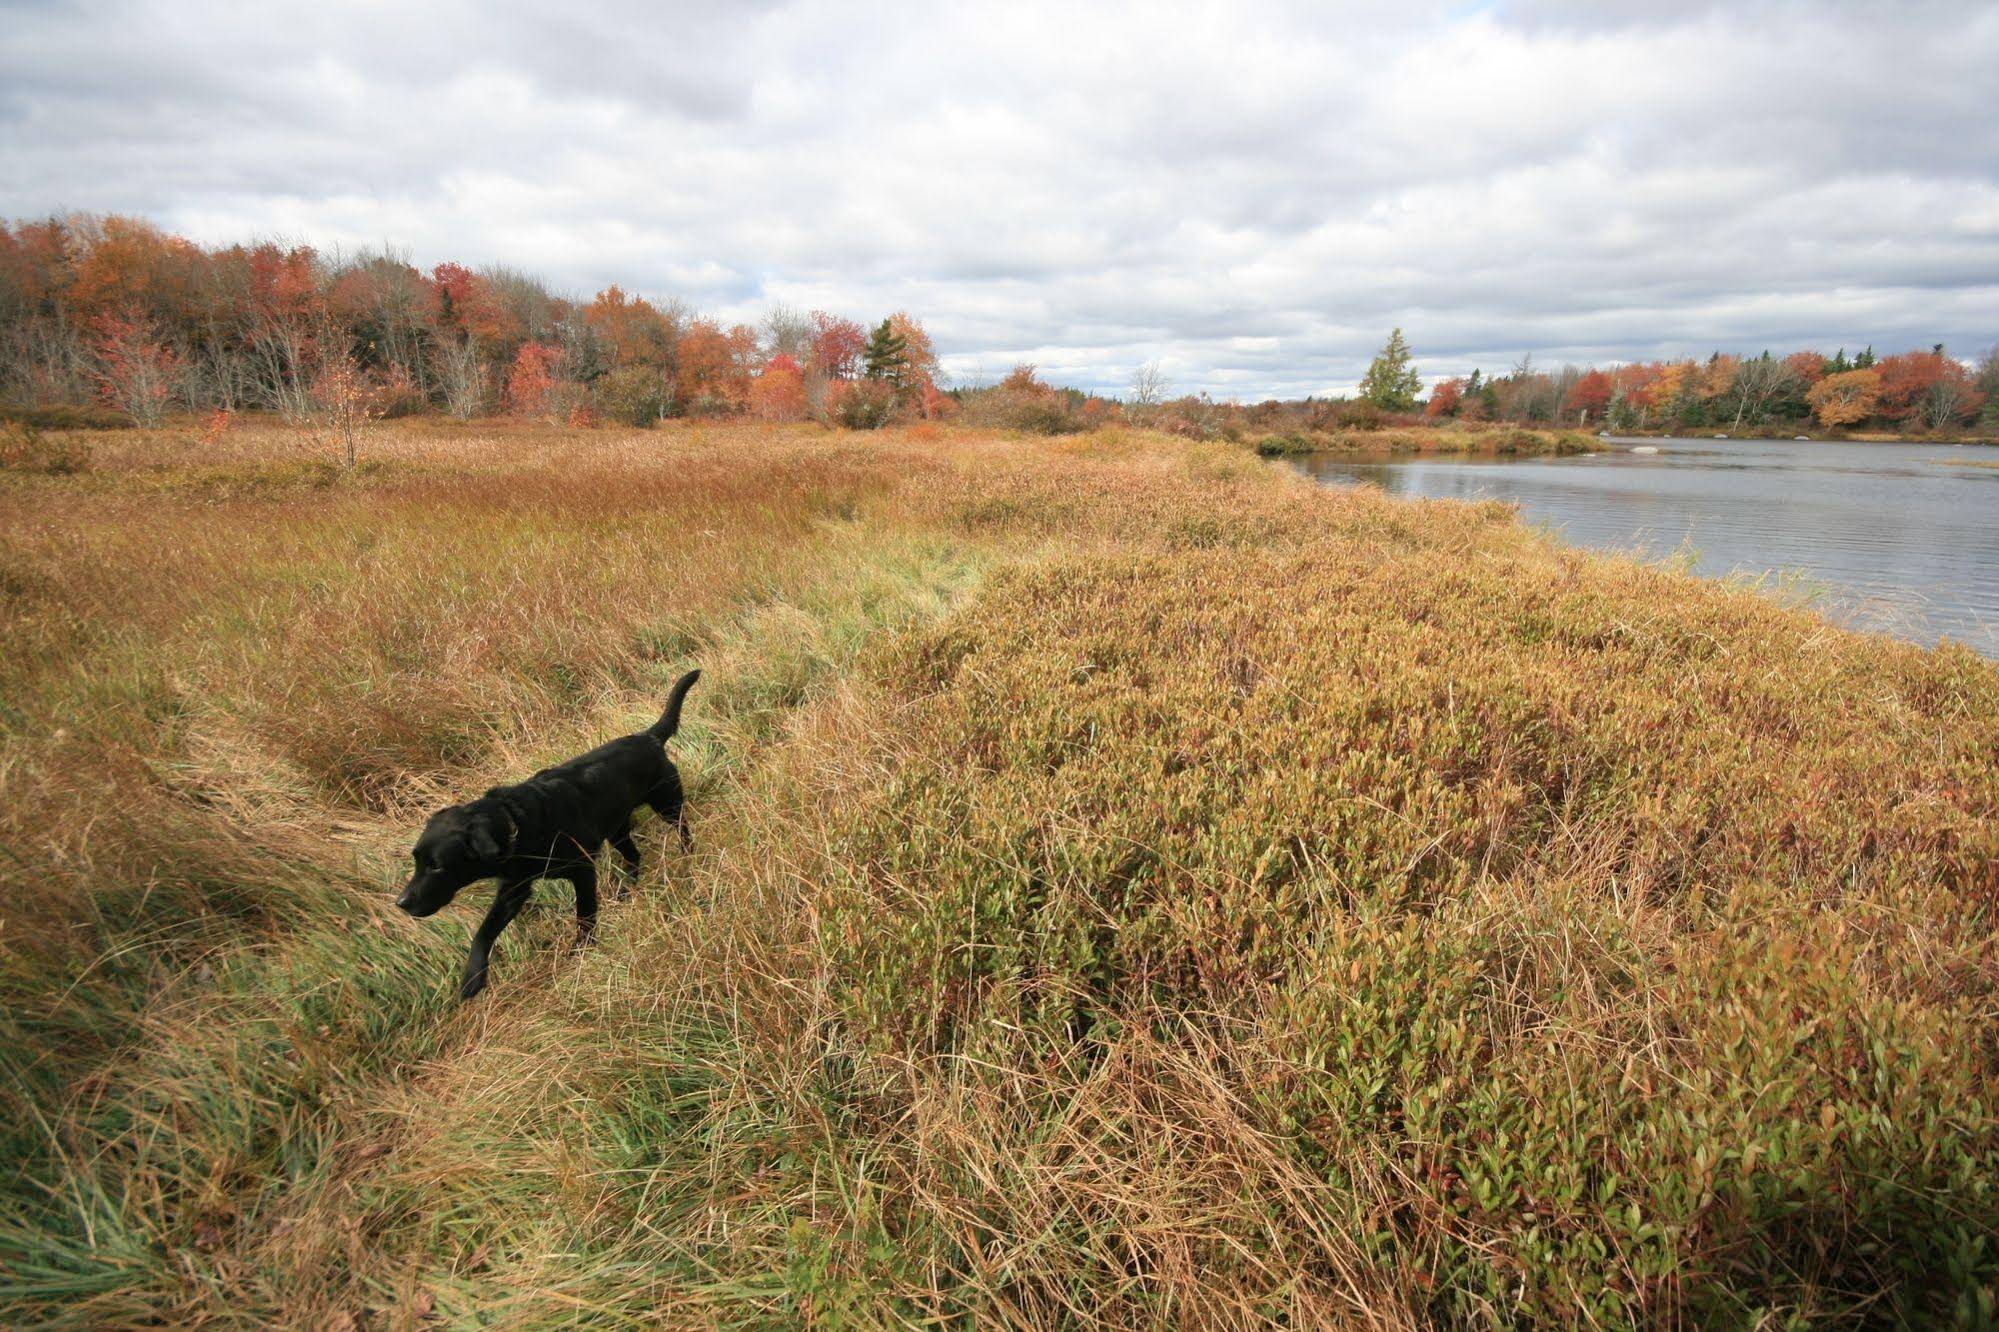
column 475, row 981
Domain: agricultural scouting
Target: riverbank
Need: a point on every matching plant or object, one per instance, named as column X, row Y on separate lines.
column 1130, row 885
column 1502, row 442
column 1808, row 431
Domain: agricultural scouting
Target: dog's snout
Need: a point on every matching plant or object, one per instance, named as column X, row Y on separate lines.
column 411, row 901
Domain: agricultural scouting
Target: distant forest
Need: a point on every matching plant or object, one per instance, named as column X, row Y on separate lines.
column 1915, row 390
column 111, row 318
column 113, row 312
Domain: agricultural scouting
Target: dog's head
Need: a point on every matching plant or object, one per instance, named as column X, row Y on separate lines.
column 458, row 846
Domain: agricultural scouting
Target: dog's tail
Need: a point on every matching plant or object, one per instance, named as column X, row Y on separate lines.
column 669, row 721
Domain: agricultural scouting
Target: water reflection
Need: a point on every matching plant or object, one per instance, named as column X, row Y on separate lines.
column 1902, row 538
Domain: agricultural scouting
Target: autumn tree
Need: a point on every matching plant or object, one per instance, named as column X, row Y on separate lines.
column 1844, row 399
column 382, row 304
column 344, row 400
column 1589, row 396
column 465, row 306
column 532, row 380
column 630, row 330
column 1808, row 366
column 1446, row 397
column 290, row 326
column 713, row 367
column 919, row 357
column 837, row 345
column 1905, row 380
column 1391, row 382
column 1950, row 397
column 137, row 371
column 778, row 391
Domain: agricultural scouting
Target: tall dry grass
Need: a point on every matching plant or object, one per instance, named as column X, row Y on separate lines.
column 1132, row 886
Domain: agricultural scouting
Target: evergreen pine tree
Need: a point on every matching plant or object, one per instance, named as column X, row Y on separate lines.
column 887, row 355
column 1391, row 383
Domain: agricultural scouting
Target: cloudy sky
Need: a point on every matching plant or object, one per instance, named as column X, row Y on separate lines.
column 1250, row 194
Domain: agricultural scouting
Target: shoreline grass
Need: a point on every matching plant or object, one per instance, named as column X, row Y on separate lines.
column 1132, row 885
column 1497, row 441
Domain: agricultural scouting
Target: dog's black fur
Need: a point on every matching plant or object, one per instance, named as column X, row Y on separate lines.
column 548, row 827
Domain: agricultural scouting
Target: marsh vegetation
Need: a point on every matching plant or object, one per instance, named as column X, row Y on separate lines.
column 1132, row 885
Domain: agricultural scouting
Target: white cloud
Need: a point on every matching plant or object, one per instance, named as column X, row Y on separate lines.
column 1252, row 198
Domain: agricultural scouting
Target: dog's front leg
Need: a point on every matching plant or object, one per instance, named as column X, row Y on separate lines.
column 507, row 904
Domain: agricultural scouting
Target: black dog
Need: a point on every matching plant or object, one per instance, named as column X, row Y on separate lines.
column 548, row 827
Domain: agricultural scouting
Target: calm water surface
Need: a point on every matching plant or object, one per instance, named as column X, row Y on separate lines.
column 1901, row 538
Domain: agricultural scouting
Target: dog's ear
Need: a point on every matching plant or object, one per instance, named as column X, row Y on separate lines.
column 484, row 844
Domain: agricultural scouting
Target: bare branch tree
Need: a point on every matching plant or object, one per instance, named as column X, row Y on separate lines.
column 1757, row 381
column 1148, row 390
column 464, row 378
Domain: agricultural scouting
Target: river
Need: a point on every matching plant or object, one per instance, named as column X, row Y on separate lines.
column 1896, row 538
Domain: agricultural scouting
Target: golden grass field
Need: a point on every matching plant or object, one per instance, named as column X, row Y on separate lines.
column 1131, row 887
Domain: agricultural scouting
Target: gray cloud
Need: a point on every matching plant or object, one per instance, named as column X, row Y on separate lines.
column 1252, row 199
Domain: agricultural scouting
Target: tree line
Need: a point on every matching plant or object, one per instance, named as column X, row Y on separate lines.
column 1915, row 390
column 114, row 312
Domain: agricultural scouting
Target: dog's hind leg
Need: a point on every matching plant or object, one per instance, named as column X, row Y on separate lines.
column 507, row 904
column 584, row 876
column 627, row 849
column 670, row 805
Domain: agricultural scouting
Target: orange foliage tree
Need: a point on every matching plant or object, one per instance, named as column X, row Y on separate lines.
column 713, row 368
column 345, row 399
column 631, row 331
column 1843, row 399
column 532, row 380
column 778, row 392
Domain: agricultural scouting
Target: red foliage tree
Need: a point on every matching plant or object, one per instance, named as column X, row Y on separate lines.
column 465, row 303
column 137, row 371
column 837, row 345
column 1446, row 395
column 1907, row 379
column 532, row 380
column 1590, row 395
column 1808, row 366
